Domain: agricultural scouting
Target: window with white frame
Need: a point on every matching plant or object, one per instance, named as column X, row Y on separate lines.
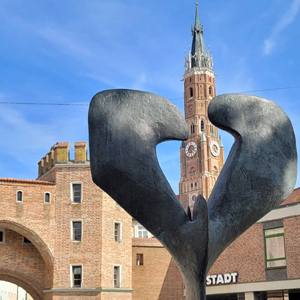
column 76, row 276
column 274, row 248
column 142, row 232
column 19, row 196
column 2, row 235
column 76, row 192
column 117, row 276
column 76, row 233
column 47, row 197
column 117, row 232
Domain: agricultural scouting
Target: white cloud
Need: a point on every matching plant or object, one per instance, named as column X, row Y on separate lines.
column 64, row 41
column 286, row 20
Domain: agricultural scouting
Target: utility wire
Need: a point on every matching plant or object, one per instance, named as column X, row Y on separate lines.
column 83, row 104
column 274, row 89
column 39, row 103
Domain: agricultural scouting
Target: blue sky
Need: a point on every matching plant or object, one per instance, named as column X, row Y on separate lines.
column 66, row 51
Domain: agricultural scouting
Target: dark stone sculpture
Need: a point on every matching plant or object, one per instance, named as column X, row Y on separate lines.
column 260, row 172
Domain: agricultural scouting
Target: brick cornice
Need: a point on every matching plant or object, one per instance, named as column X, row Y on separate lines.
column 88, row 290
column 27, row 181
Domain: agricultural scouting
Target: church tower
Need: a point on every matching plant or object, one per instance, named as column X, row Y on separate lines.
column 202, row 154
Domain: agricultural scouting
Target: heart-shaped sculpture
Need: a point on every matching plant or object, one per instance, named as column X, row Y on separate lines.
column 260, row 172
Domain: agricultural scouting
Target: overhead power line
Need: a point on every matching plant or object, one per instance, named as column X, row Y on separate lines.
column 264, row 90
column 40, row 103
column 84, row 104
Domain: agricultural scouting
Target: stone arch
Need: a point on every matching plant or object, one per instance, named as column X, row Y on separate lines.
column 24, row 281
column 35, row 239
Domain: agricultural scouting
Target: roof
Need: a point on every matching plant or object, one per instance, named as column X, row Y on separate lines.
column 293, row 198
column 80, row 144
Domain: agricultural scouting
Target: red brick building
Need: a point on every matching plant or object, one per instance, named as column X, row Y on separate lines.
column 61, row 237
column 261, row 264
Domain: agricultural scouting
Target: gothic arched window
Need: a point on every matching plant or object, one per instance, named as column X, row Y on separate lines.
column 202, row 125
column 19, row 196
column 210, row 90
column 191, row 92
column 192, row 128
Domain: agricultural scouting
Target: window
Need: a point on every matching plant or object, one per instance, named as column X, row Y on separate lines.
column 76, row 192
column 202, row 125
column 215, row 170
column 142, row 232
column 274, row 247
column 2, row 235
column 76, row 234
column 76, row 276
column 19, row 196
column 191, row 92
column 213, row 131
column 117, row 232
column 192, row 128
column 117, row 276
column 139, row 259
column 210, row 90
column 26, row 241
column 47, row 197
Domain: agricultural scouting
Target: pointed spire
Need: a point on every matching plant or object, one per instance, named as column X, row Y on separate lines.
column 198, row 57
column 203, row 137
column 220, row 142
column 198, row 49
column 197, row 22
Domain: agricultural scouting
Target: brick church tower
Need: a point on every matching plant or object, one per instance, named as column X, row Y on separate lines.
column 202, row 154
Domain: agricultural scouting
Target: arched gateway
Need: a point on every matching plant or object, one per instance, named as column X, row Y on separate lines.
column 61, row 237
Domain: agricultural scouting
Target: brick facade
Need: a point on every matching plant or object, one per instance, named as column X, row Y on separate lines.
column 245, row 256
column 158, row 277
column 44, row 267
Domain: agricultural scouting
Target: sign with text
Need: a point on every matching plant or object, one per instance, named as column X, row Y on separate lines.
column 221, row 278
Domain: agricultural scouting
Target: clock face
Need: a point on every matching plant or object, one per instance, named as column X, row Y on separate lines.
column 214, row 148
column 191, row 149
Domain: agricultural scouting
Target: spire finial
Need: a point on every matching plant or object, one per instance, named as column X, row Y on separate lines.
column 196, row 3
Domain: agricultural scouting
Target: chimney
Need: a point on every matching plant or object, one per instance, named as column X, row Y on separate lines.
column 80, row 152
column 61, row 153
column 41, row 166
